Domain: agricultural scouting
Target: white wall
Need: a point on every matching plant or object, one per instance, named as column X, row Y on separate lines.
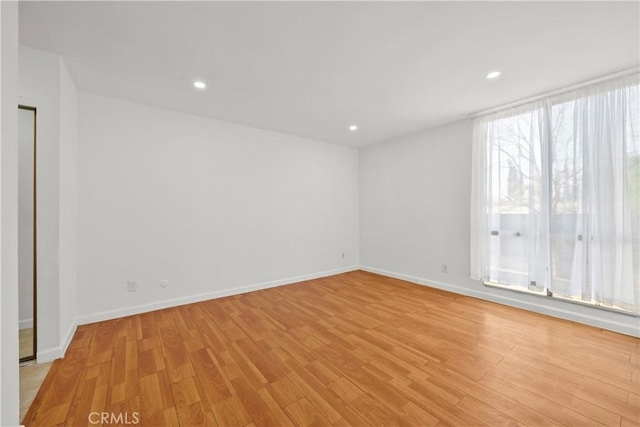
column 39, row 86
column 45, row 84
column 8, row 214
column 414, row 204
column 68, row 205
column 414, row 217
column 213, row 207
column 26, row 135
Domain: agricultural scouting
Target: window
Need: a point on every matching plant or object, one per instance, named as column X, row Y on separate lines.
column 556, row 196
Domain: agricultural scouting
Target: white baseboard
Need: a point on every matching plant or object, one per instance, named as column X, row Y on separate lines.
column 49, row 354
column 627, row 325
column 144, row 308
column 621, row 323
column 69, row 336
column 25, row 324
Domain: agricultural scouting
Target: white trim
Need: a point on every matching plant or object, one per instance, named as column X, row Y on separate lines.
column 144, row 308
column 541, row 293
column 623, row 324
column 69, row 336
column 53, row 353
column 25, row 324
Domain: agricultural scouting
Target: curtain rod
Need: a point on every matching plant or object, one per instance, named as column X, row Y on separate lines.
column 556, row 92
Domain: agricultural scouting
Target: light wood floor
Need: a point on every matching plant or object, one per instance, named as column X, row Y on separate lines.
column 26, row 342
column 352, row 349
column 31, row 377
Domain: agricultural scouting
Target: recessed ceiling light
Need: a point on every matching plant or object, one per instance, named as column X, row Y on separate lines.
column 199, row 84
column 353, row 128
column 493, row 74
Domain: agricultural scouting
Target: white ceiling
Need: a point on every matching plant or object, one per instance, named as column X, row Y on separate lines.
column 313, row 68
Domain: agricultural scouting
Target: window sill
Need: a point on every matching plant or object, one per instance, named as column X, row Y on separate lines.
column 541, row 294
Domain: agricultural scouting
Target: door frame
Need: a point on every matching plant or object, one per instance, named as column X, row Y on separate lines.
column 35, row 234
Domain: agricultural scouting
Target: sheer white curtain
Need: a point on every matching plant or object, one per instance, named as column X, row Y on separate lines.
column 556, row 196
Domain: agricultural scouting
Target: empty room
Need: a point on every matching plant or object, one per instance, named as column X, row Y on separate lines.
column 320, row 213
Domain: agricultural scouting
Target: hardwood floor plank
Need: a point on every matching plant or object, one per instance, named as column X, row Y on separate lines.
column 284, row 391
column 124, row 370
column 101, row 347
column 566, row 415
column 333, row 408
column 255, row 406
column 376, row 414
column 91, row 393
column 485, row 413
column 191, row 406
column 305, row 414
column 499, row 401
column 156, row 398
column 313, row 391
column 346, row 389
column 276, row 410
column 178, row 365
column 57, row 400
column 230, row 412
column 215, row 386
column 36, row 404
column 353, row 349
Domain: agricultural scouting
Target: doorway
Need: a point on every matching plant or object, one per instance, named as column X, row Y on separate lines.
column 27, row 233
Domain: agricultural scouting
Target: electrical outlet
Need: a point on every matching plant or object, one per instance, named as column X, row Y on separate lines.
column 132, row 286
column 164, row 284
column 444, row 268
